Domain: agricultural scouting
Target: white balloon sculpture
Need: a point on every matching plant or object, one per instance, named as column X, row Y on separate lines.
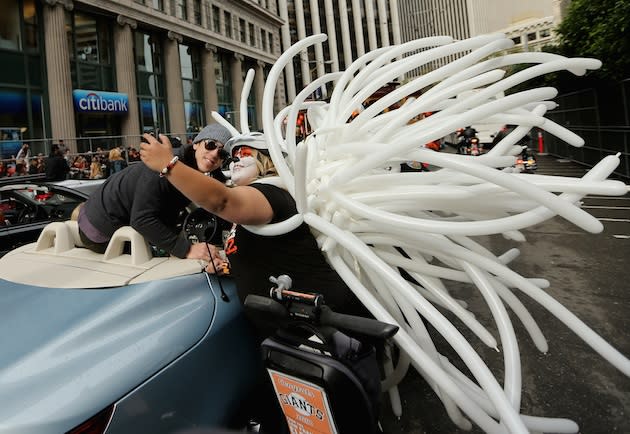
column 370, row 222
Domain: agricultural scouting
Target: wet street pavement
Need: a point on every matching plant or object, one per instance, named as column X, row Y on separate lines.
column 589, row 274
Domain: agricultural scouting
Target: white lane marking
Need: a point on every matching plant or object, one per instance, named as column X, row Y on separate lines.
column 605, row 207
column 623, row 237
column 604, row 219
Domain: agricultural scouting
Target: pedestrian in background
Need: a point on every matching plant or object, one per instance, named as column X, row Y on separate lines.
column 116, row 161
column 57, row 167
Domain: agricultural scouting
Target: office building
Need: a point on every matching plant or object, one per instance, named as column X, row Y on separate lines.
column 530, row 24
column 354, row 27
column 102, row 68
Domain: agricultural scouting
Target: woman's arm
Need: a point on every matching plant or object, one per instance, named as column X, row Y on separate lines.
column 243, row 205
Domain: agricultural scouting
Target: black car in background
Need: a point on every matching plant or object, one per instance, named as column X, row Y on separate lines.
column 27, row 206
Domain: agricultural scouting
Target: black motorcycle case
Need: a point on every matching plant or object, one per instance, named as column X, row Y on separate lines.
column 325, row 388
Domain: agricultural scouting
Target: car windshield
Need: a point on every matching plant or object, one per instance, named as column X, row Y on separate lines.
column 24, row 204
column 43, row 196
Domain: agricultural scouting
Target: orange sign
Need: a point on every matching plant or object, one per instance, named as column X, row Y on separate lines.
column 304, row 404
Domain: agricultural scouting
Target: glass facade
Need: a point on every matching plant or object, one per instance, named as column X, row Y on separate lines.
column 90, row 42
column 224, row 85
column 150, row 81
column 192, row 82
column 22, row 77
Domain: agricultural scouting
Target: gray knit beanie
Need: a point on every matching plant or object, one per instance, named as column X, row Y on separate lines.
column 213, row 132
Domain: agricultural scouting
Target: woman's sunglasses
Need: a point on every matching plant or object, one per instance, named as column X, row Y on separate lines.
column 211, row 145
column 241, row 152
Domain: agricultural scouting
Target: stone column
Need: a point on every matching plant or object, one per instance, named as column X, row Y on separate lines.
column 174, row 89
column 210, row 98
column 319, row 49
column 58, row 71
column 190, row 12
column 286, row 43
column 126, row 78
column 259, row 88
column 382, row 23
column 301, row 31
column 345, row 33
column 332, row 34
column 358, row 27
column 370, row 21
column 236, row 73
column 205, row 14
column 395, row 16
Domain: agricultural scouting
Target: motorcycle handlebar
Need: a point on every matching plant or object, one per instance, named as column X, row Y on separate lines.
column 357, row 324
column 350, row 323
column 266, row 305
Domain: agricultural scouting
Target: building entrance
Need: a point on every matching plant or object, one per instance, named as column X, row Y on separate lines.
column 97, row 130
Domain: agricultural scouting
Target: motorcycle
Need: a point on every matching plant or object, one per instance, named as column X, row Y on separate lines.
column 526, row 162
column 468, row 142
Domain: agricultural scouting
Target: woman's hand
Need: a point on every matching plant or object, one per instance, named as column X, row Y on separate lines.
column 154, row 154
column 202, row 251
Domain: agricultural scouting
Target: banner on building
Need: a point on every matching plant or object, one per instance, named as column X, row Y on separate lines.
column 96, row 101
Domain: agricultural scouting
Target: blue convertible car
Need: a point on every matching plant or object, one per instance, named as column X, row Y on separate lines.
column 118, row 342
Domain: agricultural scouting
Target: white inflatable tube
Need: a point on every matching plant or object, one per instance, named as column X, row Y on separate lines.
column 523, row 315
column 536, row 424
column 512, row 360
column 460, row 345
column 247, row 86
column 219, row 119
column 268, row 96
column 419, row 359
column 606, row 350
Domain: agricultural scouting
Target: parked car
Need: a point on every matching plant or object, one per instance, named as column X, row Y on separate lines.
column 27, row 206
column 118, row 342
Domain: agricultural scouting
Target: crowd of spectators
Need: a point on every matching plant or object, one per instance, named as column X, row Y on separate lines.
column 61, row 164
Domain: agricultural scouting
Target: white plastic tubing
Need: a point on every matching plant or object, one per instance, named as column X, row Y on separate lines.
column 371, row 221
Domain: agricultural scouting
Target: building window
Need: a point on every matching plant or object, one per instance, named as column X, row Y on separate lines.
column 216, row 19
column 150, row 81
column 545, row 33
column 31, row 33
column 90, row 56
column 10, row 34
column 241, row 28
column 181, row 11
column 197, row 12
column 190, row 63
column 270, row 41
column 252, row 35
column 517, row 40
column 531, row 36
column 228, row 23
column 263, row 39
column 21, row 80
column 158, row 5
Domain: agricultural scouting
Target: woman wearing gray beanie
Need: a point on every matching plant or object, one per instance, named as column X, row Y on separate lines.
column 146, row 201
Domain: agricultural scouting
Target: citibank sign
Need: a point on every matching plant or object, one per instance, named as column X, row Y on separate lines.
column 94, row 101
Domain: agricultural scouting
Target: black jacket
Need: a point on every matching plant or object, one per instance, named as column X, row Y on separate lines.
column 56, row 168
column 140, row 198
